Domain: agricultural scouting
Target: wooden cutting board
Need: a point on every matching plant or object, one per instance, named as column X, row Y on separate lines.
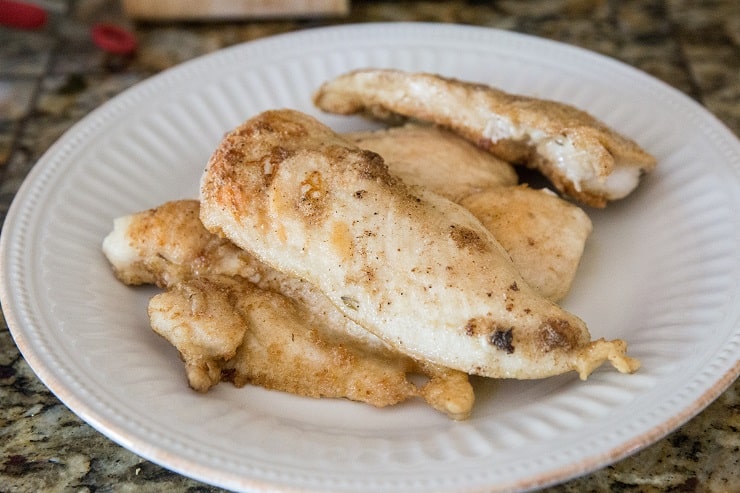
column 155, row 10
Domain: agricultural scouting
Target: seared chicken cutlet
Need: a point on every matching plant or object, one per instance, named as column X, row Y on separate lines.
column 229, row 314
column 580, row 155
column 168, row 244
column 437, row 159
column 226, row 328
column 417, row 270
column 544, row 234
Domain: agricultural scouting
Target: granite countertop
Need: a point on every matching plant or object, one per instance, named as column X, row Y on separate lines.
column 52, row 77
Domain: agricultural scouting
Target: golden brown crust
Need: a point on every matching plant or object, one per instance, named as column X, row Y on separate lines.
column 167, row 244
column 227, row 329
column 544, row 234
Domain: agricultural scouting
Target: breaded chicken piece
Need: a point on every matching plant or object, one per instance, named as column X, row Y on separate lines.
column 580, row 155
column 417, row 270
column 544, row 234
column 226, row 328
column 435, row 158
column 168, row 246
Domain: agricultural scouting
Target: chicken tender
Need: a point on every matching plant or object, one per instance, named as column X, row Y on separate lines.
column 417, row 270
column 168, row 244
column 544, row 234
column 226, row 328
column 581, row 156
column 437, row 159
column 221, row 338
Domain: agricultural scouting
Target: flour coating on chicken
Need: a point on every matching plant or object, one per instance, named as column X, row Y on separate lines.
column 580, row 155
column 544, row 235
column 417, row 270
column 226, row 328
column 437, row 159
column 234, row 318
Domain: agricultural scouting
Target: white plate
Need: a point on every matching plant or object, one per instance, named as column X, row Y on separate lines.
column 661, row 271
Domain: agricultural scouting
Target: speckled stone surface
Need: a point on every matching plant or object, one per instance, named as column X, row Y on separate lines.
column 52, row 77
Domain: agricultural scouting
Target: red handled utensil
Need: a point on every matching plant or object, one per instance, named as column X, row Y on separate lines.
column 28, row 16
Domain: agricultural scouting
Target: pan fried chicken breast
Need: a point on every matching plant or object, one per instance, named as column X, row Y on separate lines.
column 169, row 244
column 226, row 328
column 435, row 158
column 544, row 234
column 417, row 270
column 580, row 155
column 229, row 314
